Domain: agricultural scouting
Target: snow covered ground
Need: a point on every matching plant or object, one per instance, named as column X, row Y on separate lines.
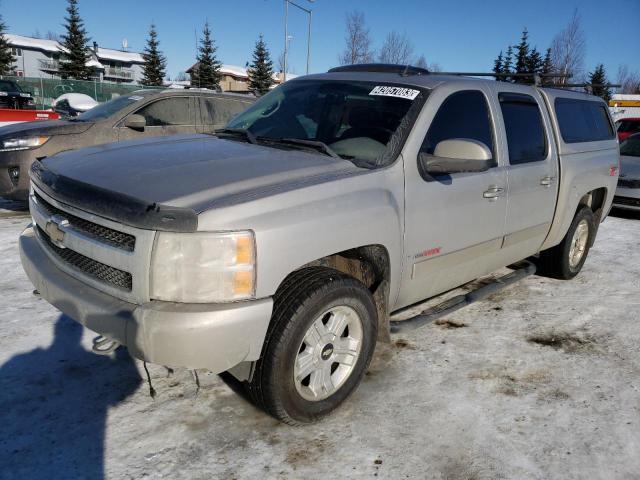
column 540, row 381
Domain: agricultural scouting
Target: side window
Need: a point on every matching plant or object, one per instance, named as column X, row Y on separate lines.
column 168, row 111
column 219, row 110
column 583, row 120
column 526, row 137
column 463, row 114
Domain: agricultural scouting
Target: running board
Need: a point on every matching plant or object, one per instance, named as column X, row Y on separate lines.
column 459, row 301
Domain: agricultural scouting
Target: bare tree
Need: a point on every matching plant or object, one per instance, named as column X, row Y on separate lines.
column 397, row 48
column 629, row 81
column 358, row 48
column 52, row 36
column 568, row 49
column 421, row 62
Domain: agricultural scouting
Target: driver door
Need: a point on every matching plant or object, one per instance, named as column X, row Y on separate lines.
column 454, row 223
column 166, row 116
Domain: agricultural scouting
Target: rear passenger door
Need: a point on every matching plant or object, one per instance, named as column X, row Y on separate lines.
column 217, row 111
column 532, row 172
column 167, row 116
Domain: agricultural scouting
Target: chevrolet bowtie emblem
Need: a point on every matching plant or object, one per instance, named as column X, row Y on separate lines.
column 54, row 229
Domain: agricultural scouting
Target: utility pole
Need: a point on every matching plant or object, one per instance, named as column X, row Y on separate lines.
column 286, row 35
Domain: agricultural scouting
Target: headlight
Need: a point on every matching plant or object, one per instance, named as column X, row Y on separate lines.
column 25, row 143
column 203, row 267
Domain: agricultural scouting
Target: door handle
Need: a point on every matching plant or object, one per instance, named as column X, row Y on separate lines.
column 493, row 192
column 547, row 181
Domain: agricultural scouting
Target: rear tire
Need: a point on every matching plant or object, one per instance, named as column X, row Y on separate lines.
column 565, row 260
column 319, row 345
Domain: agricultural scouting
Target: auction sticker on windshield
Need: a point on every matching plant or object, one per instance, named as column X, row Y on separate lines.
column 399, row 92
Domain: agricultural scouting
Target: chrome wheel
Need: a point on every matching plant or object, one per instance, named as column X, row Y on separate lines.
column 328, row 353
column 578, row 243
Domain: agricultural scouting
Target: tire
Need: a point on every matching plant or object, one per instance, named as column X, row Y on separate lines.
column 563, row 261
column 310, row 310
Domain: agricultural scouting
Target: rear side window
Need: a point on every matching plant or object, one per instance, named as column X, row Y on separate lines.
column 526, row 137
column 168, row 111
column 218, row 111
column 583, row 120
column 463, row 114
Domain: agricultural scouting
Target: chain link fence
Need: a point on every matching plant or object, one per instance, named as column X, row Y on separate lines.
column 46, row 90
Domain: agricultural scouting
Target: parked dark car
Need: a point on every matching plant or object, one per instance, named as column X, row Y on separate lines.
column 12, row 96
column 144, row 113
column 627, row 127
column 73, row 104
column 627, row 194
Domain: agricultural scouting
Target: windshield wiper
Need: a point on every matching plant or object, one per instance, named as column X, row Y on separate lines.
column 315, row 144
column 250, row 137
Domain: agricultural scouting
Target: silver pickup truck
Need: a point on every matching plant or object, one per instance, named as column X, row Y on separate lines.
column 280, row 248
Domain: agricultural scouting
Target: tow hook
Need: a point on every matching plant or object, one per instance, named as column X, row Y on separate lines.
column 104, row 345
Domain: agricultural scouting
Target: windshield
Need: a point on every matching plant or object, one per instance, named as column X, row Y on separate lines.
column 9, row 86
column 629, row 126
column 631, row 147
column 356, row 120
column 104, row 110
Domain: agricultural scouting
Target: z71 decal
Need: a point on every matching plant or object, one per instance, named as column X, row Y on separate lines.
column 428, row 253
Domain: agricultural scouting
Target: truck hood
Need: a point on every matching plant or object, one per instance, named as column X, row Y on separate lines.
column 45, row 128
column 188, row 173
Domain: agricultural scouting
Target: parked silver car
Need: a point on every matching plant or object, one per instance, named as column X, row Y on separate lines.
column 283, row 249
column 628, row 191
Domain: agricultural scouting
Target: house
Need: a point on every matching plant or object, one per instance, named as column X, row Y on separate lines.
column 37, row 57
column 236, row 79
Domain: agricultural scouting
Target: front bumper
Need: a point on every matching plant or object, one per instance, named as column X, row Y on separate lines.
column 212, row 336
column 22, row 160
column 627, row 198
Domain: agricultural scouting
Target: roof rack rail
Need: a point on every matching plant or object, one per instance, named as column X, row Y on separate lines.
column 536, row 78
column 404, row 70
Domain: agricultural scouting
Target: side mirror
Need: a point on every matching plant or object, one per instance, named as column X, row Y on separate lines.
column 135, row 122
column 457, row 155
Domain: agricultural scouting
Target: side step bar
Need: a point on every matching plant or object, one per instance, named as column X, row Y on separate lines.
column 459, row 301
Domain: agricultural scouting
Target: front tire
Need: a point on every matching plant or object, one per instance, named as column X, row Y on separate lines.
column 565, row 260
column 319, row 345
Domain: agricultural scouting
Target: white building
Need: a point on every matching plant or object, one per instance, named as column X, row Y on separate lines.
column 36, row 57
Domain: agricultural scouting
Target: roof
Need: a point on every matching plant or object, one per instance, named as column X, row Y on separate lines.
column 242, row 72
column 35, row 43
column 119, row 56
column 54, row 46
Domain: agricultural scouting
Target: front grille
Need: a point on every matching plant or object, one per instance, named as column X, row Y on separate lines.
column 629, row 182
column 104, row 234
column 632, row 202
column 105, row 273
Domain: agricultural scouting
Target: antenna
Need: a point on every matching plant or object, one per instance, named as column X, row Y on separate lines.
column 125, row 44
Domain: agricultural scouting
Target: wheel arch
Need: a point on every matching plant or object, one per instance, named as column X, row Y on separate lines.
column 369, row 264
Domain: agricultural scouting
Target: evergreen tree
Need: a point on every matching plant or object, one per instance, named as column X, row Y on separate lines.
column 598, row 78
column 522, row 56
column 547, row 68
column 498, row 66
column 153, row 72
column 74, row 41
column 507, row 66
column 6, row 58
column 206, row 74
column 261, row 69
column 533, row 64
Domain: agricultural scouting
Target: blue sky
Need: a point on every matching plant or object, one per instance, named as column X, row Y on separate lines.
column 460, row 35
